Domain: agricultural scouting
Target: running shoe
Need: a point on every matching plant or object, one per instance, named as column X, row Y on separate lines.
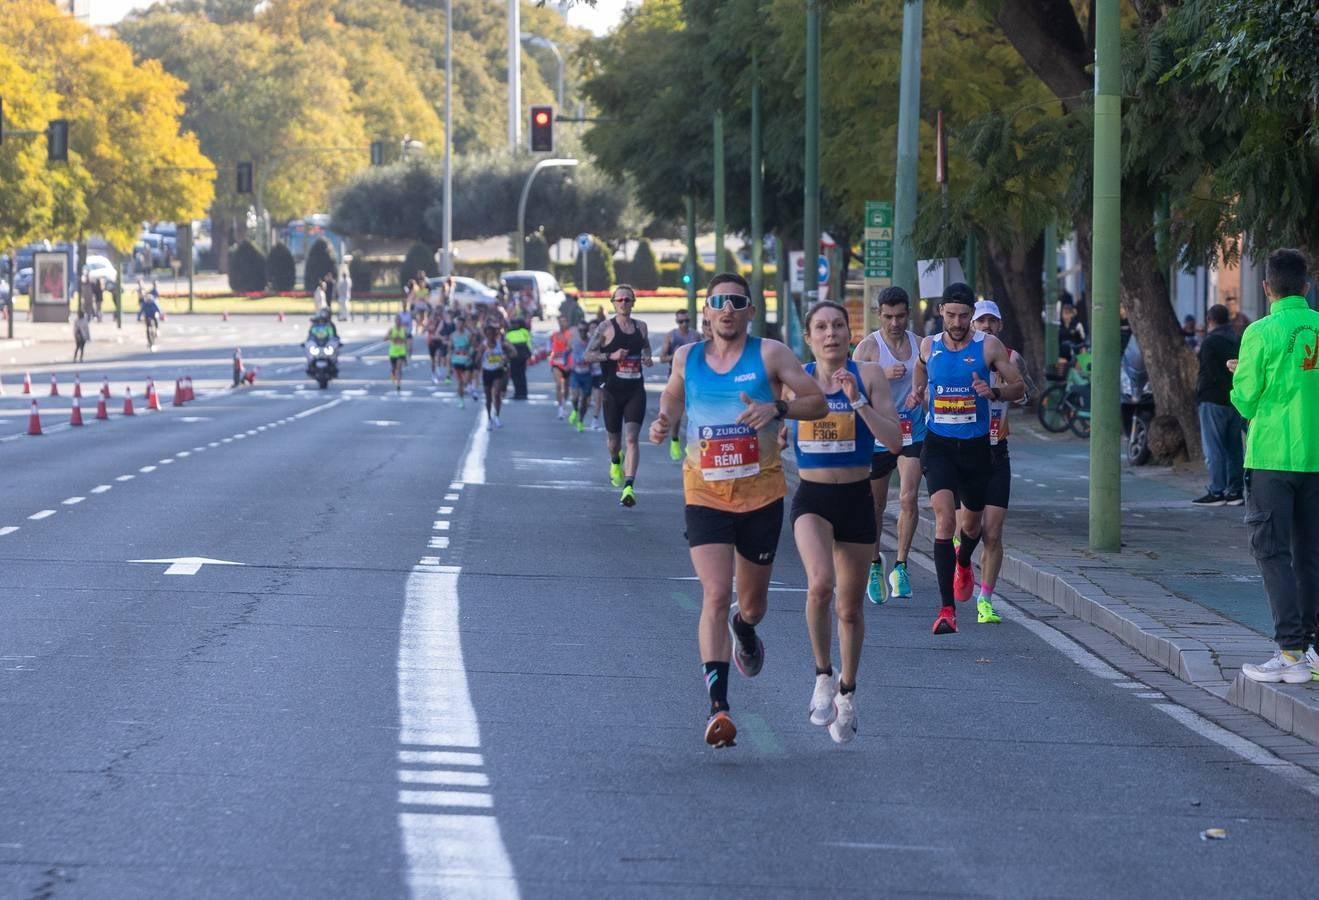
column 720, row 730
column 963, row 583
column 749, row 664
column 595, row 425
column 675, row 450
column 560, row 412
column 985, row 614
column 1279, row 668
column 1210, row 499
column 580, row 427
column 898, row 582
column 490, row 425
column 572, row 416
column 629, row 498
column 616, row 474
column 498, row 424
column 1312, row 660
column 462, row 404
column 876, row 587
column 1233, row 498
column 822, row 710
column 843, row 728
column 946, row 623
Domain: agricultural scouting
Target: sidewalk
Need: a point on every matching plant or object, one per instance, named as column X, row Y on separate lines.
column 1185, row 591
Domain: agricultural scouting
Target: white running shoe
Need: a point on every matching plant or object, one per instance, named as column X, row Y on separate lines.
column 843, row 727
column 1312, row 660
column 595, row 424
column 489, row 424
column 498, row 424
column 822, row 700
column 1279, row 669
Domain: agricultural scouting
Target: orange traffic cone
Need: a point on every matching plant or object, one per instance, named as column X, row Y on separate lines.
column 77, row 385
column 27, row 383
column 75, row 415
column 188, row 392
column 178, row 392
column 105, row 386
column 153, row 399
column 101, row 411
column 54, row 386
column 34, row 421
column 128, row 401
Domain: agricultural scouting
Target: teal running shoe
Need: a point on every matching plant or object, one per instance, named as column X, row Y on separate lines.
column 876, row 586
column 898, row 582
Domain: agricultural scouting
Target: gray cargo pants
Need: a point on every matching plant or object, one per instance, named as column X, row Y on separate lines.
column 1282, row 514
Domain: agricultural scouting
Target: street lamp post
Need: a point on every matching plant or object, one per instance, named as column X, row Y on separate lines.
column 522, row 203
column 536, row 40
column 446, row 265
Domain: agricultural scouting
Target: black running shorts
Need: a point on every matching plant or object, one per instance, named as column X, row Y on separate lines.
column 847, row 507
column 755, row 534
column 1000, row 478
column 962, row 466
column 491, row 377
column 884, row 462
column 628, row 405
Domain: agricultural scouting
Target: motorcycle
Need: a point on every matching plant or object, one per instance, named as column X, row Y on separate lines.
column 1137, row 404
column 322, row 358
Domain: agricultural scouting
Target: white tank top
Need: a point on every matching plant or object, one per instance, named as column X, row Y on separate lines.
column 900, row 387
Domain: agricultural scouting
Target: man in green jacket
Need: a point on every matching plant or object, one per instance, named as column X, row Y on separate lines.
column 520, row 338
column 1276, row 388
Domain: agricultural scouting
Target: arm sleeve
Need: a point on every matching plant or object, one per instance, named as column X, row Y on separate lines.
column 1248, row 382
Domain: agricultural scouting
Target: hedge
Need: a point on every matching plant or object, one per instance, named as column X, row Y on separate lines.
column 247, row 269
column 320, row 259
column 281, row 270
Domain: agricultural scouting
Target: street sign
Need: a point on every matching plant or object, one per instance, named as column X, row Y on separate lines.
column 877, row 254
column 822, row 269
column 796, row 271
column 583, row 241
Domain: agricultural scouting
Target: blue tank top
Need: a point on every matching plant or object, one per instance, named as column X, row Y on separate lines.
column 839, row 440
column 956, row 410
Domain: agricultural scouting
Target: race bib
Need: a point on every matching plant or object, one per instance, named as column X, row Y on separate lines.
column 729, row 451
column 904, row 420
column 955, row 406
column 629, row 369
column 835, row 433
column 559, row 359
column 998, row 426
column 494, row 359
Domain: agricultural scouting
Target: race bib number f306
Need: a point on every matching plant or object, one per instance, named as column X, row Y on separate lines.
column 729, row 451
column 835, row 433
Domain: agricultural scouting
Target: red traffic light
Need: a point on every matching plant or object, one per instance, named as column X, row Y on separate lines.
column 542, row 129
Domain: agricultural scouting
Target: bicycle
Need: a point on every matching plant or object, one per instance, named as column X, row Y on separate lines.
column 1066, row 404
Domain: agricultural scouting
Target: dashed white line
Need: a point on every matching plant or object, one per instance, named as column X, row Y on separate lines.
column 8, row 529
column 145, row 469
column 445, row 510
column 183, row 454
column 125, row 478
column 439, row 542
column 44, row 514
column 440, row 758
column 466, row 799
column 441, row 525
column 166, row 461
column 450, row 496
column 213, row 444
column 448, row 778
column 73, row 501
column 101, row 488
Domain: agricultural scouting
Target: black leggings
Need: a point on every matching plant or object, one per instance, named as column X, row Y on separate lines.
column 624, row 406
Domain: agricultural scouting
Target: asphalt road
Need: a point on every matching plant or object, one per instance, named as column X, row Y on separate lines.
column 447, row 663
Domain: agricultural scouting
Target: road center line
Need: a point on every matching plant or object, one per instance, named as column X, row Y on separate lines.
column 473, row 469
column 146, row 469
column 8, row 529
column 125, row 478
column 101, row 488
column 73, row 501
column 44, row 514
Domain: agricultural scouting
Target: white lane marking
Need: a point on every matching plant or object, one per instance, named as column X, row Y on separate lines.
column 187, row 565
column 1251, row 753
column 457, row 485
column 445, row 510
column 8, row 529
column 858, row 845
column 213, row 444
column 316, row 409
column 239, row 437
column 441, row 525
column 440, row 758
column 449, row 855
column 1130, row 685
column 439, row 542
column 73, row 501
column 443, row 777
column 145, row 469
column 44, row 514
column 101, row 488
column 429, row 561
column 166, row 462
column 251, row 432
column 227, row 440
column 450, row 496
column 183, row 454
column 1151, row 695
column 125, row 478
column 1064, row 645
column 473, row 468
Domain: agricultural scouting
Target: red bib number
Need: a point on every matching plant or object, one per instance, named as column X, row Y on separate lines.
column 728, row 452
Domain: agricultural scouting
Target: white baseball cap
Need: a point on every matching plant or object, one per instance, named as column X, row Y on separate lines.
column 986, row 308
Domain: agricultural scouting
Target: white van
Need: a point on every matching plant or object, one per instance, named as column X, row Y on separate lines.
column 545, row 290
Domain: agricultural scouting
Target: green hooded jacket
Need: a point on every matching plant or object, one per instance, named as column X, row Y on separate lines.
column 1276, row 387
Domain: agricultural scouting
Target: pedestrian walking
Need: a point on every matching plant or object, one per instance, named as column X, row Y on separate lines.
column 82, row 333
column 732, row 474
column 344, row 293
column 1275, row 387
column 1222, row 429
column 98, row 296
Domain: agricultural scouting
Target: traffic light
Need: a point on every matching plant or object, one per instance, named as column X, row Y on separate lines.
column 542, row 129
column 377, row 153
column 244, row 181
column 57, row 141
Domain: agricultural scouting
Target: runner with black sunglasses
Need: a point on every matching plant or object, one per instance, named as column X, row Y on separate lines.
column 732, row 478
column 622, row 346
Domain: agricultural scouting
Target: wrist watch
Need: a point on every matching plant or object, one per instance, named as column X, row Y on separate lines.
column 859, row 402
column 780, row 408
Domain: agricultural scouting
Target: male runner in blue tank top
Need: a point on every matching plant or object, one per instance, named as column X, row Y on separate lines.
column 894, row 348
column 732, row 478
column 954, row 368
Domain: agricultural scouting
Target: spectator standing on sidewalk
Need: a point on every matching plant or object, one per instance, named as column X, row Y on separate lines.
column 1221, row 426
column 1276, row 388
column 82, row 333
column 344, row 292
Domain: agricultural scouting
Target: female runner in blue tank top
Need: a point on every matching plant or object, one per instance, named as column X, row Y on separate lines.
column 833, row 517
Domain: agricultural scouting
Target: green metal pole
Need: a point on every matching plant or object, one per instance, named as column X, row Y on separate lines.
column 971, row 261
column 811, row 212
column 1105, row 412
column 691, row 257
column 720, row 217
column 757, row 210
column 909, row 109
column 1050, row 316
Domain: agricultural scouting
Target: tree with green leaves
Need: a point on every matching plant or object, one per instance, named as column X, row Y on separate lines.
column 644, row 269
column 281, row 270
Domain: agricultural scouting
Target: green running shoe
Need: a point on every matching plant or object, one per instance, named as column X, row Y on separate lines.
column 629, row 498
column 616, row 474
column 898, row 582
column 985, row 614
column 581, row 426
column 876, row 586
column 675, row 450
column 572, row 417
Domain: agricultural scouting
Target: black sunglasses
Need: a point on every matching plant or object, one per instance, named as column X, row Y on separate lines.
column 719, row 301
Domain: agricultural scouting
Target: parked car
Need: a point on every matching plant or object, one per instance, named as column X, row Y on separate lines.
column 465, row 290
column 155, row 246
column 4, row 291
column 100, row 267
column 23, row 283
column 546, row 294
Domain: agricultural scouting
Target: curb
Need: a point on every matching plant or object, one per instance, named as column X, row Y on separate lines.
column 1289, row 708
